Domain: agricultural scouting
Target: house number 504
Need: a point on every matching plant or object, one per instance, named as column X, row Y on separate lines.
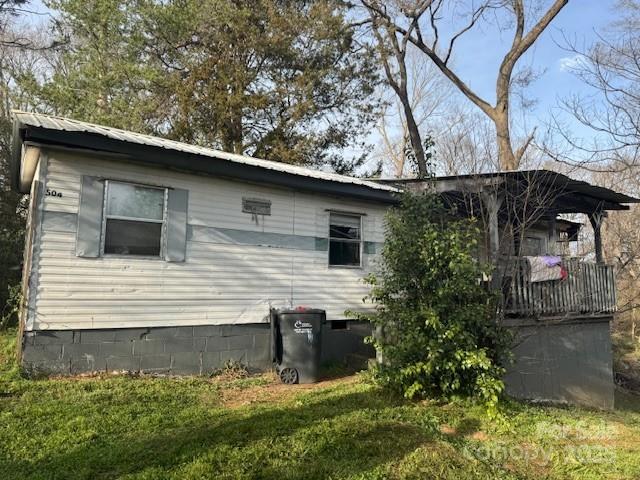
column 53, row 193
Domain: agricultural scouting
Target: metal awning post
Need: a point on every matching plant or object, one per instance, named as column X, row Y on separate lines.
column 552, row 234
column 492, row 202
column 596, row 218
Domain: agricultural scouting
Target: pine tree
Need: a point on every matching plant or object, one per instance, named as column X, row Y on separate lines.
column 282, row 80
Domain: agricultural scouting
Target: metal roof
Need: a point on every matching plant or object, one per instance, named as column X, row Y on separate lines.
column 39, row 128
column 548, row 178
column 560, row 180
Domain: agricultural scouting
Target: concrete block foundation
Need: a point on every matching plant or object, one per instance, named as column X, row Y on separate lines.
column 196, row 350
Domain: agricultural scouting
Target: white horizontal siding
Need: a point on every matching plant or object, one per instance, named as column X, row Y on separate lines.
column 212, row 201
column 218, row 283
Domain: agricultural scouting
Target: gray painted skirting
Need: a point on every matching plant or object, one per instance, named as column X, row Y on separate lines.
column 569, row 363
column 68, row 222
column 193, row 350
column 563, row 362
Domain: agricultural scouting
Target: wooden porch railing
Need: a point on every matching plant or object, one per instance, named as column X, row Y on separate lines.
column 589, row 289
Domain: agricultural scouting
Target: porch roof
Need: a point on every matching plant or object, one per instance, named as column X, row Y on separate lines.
column 564, row 194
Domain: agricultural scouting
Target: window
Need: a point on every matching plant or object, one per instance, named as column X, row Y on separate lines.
column 345, row 240
column 531, row 246
column 134, row 219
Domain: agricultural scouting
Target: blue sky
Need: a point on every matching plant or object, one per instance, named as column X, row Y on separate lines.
column 480, row 54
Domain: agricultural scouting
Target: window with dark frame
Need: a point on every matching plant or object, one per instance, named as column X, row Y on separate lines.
column 345, row 240
column 134, row 219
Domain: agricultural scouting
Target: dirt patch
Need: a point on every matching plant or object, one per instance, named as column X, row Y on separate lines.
column 479, row 436
column 273, row 390
column 457, row 432
column 448, row 430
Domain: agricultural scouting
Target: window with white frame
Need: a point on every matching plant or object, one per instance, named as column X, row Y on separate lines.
column 134, row 218
column 345, row 239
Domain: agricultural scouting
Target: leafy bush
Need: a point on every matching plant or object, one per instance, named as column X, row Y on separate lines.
column 436, row 322
column 9, row 312
column 13, row 208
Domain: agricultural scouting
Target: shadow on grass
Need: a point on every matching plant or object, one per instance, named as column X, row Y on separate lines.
column 317, row 437
column 468, row 426
column 336, row 370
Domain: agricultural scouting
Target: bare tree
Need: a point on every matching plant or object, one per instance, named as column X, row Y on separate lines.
column 611, row 68
column 610, row 151
column 10, row 12
column 419, row 22
column 465, row 144
column 630, row 18
column 393, row 49
column 428, row 94
column 621, row 240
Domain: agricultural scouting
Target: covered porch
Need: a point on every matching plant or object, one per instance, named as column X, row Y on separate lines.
column 523, row 214
column 560, row 318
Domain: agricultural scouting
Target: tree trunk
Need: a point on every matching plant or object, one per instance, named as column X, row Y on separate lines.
column 232, row 140
column 596, row 222
column 415, row 138
column 522, row 41
column 506, row 158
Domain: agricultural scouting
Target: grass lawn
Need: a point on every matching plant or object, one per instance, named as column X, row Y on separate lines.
column 121, row 427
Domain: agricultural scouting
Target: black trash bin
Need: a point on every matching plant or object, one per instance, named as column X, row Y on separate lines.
column 297, row 343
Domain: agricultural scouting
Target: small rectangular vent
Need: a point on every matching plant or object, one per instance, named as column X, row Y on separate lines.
column 256, row 206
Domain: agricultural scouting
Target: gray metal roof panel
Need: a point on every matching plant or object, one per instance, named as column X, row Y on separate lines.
column 70, row 125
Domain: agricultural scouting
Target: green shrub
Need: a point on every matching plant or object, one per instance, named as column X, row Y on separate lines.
column 11, row 309
column 436, row 322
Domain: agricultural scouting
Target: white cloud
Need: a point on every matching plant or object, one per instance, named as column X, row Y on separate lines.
column 567, row 64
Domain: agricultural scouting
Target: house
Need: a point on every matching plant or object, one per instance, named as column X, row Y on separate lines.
column 562, row 349
column 151, row 255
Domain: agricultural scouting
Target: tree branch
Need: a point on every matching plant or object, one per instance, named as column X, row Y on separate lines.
column 474, row 18
column 518, row 10
column 381, row 14
column 457, row 81
column 519, row 153
column 520, row 46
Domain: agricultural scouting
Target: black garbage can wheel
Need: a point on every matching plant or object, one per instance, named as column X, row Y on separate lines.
column 289, row 376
